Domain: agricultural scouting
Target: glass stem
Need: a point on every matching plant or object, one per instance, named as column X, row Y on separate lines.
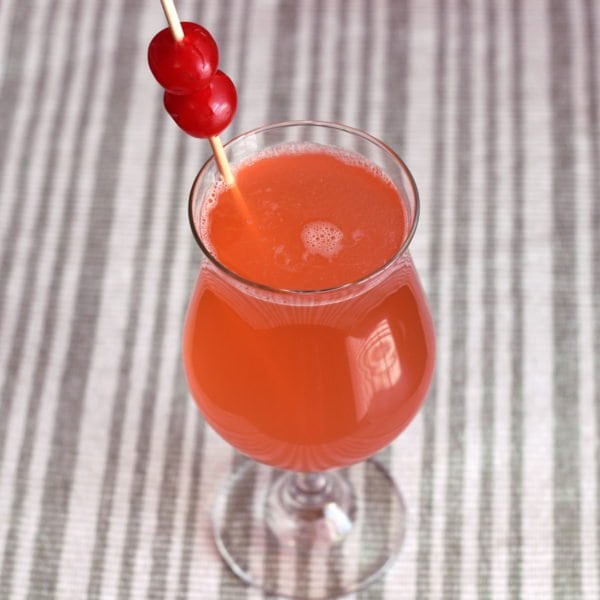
column 304, row 508
column 309, row 489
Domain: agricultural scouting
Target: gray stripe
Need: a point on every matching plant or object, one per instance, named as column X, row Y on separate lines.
column 397, row 60
column 8, row 390
column 284, row 46
column 516, row 283
column 170, row 482
column 286, row 65
column 374, row 592
column 373, row 523
column 235, row 591
column 193, row 507
column 396, row 86
column 567, row 538
column 241, row 59
column 487, row 438
column 14, row 230
column 339, row 75
column 149, row 395
column 334, row 576
column 10, row 93
column 302, row 588
column 125, row 365
column 376, row 524
column 364, row 92
column 12, row 80
column 315, row 53
column 458, row 368
column 284, row 60
column 423, row 589
column 59, row 474
column 170, row 479
column 593, row 135
column 593, row 131
column 271, row 561
column 192, row 511
column 229, row 585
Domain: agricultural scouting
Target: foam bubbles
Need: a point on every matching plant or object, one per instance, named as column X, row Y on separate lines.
column 323, row 238
column 210, row 200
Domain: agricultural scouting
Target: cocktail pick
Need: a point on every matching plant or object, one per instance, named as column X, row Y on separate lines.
column 207, row 101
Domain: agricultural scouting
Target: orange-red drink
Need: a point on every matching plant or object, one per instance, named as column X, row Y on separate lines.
column 300, row 379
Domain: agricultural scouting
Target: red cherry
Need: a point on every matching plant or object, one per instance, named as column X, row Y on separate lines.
column 183, row 67
column 206, row 112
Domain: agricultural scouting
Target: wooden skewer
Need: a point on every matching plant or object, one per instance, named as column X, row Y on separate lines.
column 215, row 142
column 227, row 175
column 173, row 19
column 221, row 158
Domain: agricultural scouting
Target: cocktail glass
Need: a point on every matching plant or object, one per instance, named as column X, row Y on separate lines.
column 311, row 383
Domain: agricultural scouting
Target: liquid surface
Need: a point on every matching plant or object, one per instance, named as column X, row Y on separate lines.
column 306, row 220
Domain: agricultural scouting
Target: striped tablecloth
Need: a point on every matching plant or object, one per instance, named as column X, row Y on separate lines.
column 107, row 471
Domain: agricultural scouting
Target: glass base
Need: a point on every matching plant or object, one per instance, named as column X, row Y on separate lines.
column 312, row 536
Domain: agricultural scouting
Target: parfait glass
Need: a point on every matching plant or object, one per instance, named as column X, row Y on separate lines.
column 310, row 385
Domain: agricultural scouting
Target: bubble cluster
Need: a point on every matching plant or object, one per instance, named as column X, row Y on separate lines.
column 323, row 238
column 202, row 216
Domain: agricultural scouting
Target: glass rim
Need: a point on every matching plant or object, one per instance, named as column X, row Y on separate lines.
column 325, row 125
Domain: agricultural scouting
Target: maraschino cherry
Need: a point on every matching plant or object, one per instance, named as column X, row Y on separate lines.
column 183, row 67
column 206, row 112
column 199, row 98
